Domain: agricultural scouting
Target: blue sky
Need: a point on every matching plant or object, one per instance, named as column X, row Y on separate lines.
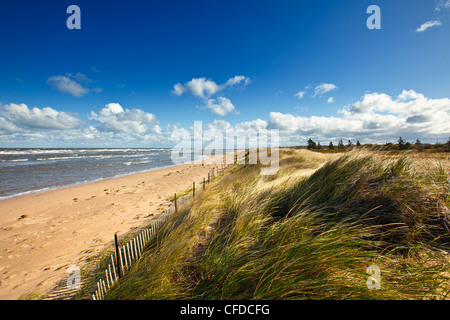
column 307, row 68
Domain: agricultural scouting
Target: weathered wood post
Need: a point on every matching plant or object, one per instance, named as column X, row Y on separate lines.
column 176, row 206
column 119, row 264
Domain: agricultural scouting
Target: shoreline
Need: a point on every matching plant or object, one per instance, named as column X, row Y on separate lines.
column 30, row 192
column 44, row 233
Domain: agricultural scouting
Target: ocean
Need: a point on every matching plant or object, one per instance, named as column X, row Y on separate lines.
column 24, row 171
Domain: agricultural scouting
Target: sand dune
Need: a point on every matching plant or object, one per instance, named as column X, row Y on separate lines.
column 43, row 234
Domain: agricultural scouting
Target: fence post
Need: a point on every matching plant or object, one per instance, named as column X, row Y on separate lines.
column 209, row 177
column 193, row 189
column 176, row 206
column 203, row 183
column 119, row 265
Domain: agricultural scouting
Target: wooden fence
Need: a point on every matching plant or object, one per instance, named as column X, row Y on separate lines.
column 126, row 254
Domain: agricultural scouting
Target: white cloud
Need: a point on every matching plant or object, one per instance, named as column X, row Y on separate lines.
column 79, row 77
column 205, row 88
column 427, row 25
column 300, row 94
column 330, row 100
column 219, row 125
column 114, row 118
column 256, row 125
column 19, row 117
column 377, row 117
column 442, row 4
column 178, row 89
column 324, row 88
column 202, row 87
column 67, row 85
column 236, row 80
column 76, row 85
column 112, row 126
column 222, row 107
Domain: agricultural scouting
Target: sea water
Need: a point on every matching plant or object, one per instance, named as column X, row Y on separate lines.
column 24, row 171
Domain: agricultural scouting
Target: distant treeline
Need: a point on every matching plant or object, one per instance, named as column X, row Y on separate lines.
column 389, row 146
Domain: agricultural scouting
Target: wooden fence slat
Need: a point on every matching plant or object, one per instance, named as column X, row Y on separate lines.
column 140, row 243
column 107, row 278
column 135, row 248
column 129, row 253
column 121, row 261
column 103, row 288
column 133, row 244
column 98, row 290
column 114, row 268
column 125, row 258
column 111, row 280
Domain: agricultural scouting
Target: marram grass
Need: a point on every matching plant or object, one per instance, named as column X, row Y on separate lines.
column 310, row 232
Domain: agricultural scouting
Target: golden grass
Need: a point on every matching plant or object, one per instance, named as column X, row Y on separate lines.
column 309, row 232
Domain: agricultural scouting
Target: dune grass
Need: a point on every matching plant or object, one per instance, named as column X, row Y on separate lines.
column 309, row 232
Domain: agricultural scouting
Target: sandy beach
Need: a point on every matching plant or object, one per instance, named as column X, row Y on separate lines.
column 43, row 234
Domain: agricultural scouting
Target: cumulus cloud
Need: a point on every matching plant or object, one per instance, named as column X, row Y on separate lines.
column 428, row 24
column 256, row 125
column 237, row 80
column 205, row 88
column 178, row 89
column 112, row 126
column 20, row 117
column 77, row 85
column 330, row 100
column 319, row 90
column 218, row 125
column 324, row 88
column 376, row 117
column 66, row 85
column 222, row 107
column 114, row 118
column 199, row 87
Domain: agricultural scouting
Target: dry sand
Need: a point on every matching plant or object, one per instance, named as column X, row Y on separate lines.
column 43, row 234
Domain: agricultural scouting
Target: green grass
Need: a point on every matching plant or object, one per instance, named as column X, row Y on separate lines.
column 310, row 232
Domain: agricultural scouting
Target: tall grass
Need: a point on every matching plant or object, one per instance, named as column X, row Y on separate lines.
column 310, row 232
